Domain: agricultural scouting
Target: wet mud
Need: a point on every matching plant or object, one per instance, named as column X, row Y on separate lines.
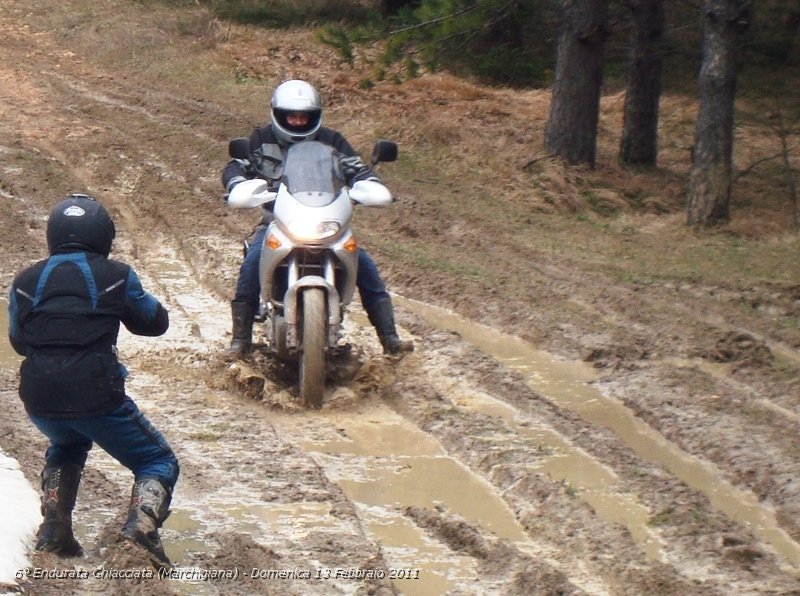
column 624, row 446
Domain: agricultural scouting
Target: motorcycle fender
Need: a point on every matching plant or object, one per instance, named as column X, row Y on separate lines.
column 291, row 311
column 278, row 337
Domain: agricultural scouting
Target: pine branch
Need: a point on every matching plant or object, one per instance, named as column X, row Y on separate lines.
column 447, row 17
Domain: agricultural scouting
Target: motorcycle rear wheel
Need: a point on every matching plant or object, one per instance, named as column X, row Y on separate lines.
column 312, row 358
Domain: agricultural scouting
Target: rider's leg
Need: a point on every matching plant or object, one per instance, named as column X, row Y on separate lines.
column 64, row 461
column 245, row 303
column 130, row 438
column 378, row 305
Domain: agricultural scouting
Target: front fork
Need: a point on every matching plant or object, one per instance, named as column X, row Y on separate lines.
column 291, row 302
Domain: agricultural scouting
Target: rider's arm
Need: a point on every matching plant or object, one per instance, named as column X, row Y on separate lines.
column 233, row 173
column 354, row 167
column 143, row 314
column 238, row 170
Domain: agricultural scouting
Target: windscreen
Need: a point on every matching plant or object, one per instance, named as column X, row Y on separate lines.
column 313, row 173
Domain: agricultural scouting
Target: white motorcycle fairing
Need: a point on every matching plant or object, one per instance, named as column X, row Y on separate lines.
column 309, row 258
column 305, row 247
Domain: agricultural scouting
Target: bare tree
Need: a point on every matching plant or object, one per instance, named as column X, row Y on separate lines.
column 710, row 180
column 639, row 143
column 771, row 112
column 783, row 133
column 571, row 130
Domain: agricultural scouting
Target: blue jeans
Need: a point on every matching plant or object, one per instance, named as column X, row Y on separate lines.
column 370, row 285
column 124, row 433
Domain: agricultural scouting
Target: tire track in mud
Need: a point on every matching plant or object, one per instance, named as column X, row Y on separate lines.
column 620, row 334
column 566, row 384
column 664, row 494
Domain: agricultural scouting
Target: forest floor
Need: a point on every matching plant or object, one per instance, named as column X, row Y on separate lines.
column 601, row 400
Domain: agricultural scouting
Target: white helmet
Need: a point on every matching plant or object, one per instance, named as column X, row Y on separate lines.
column 295, row 96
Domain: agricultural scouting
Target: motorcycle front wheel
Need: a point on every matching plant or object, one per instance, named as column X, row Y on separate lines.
column 312, row 358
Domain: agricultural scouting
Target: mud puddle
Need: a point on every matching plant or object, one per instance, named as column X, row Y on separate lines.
column 385, row 464
column 190, row 307
column 567, row 384
column 565, row 463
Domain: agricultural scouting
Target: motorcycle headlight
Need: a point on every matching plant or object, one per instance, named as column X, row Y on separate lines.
column 305, row 230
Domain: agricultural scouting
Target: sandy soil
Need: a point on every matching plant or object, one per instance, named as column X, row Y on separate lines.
column 687, row 404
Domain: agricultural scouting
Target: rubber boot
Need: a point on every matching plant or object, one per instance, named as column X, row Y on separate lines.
column 59, row 491
column 242, row 315
column 381, row 315
column 148, row 509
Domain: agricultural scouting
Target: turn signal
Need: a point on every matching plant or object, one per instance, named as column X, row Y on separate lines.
column 273, row 243
column 351, row 245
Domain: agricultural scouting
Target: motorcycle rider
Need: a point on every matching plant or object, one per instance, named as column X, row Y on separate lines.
column 64, row 316
column 296, row 115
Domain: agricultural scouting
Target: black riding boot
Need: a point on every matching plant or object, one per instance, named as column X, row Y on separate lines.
column 149, row 508
column 381, row 315
column 242, row 315
column 59, row 491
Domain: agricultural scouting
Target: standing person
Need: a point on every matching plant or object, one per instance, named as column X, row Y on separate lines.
column 296, row 115
column 64, row 317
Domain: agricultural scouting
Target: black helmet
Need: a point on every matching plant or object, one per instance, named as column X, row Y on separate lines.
column 79, row 222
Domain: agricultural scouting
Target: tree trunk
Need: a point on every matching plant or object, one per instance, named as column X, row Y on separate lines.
column 571, row 130
column 710, row 180
column 639, row 144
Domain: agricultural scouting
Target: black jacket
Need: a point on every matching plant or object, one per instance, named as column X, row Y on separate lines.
column 64, row 317
column 268, row 155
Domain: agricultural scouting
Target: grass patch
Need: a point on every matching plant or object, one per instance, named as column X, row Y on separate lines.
column 629, row 249
column 421, row 257
column 665, row 517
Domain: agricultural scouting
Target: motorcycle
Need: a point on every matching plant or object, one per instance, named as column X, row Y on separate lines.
column 309, row 257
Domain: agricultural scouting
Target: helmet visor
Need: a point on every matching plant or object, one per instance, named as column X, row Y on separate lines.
column 297, row 121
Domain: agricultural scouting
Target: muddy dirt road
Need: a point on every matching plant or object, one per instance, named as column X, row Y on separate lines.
column 642, row 439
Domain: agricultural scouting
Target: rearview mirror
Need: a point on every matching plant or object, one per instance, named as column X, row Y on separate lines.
column 384, row 151
column 239, row 148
